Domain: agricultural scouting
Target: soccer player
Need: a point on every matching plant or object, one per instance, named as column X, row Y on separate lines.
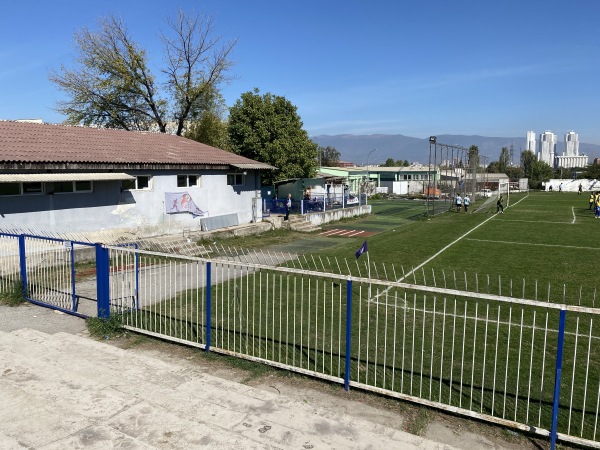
column 500, row 205
column 458, row 202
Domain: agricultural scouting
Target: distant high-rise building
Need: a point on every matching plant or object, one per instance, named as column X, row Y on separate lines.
column 570, row 157
column 571, row 144
column 547, row 148
column 531, row 141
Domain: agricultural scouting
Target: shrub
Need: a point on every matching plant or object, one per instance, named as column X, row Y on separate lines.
column 12, row 294
column 105, row 328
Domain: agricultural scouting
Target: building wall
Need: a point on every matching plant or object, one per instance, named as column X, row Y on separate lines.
column 138, row 211
column 531, row 141
column 571, row 144
column 570, row 162
column 547, row 148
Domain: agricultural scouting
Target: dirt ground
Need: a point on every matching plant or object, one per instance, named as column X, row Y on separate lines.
column 459, row 432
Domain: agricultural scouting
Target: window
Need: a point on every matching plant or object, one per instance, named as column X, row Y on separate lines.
column 34, row 187
column 187, row 180
column 10, row 188
column 72, row 186
column 235, row 179
column 140, row 182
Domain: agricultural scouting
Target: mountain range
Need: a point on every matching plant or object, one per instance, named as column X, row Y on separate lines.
column 356, row 148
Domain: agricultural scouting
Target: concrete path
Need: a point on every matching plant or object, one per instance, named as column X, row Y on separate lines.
column 65, row 390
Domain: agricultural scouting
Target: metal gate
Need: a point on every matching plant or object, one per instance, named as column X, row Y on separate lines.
column 55, row 273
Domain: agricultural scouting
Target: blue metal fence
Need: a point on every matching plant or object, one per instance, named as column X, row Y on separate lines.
column 317, row 203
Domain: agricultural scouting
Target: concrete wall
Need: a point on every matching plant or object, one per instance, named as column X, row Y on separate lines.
column 141, row 212
column 587, row 185
column 322, row 218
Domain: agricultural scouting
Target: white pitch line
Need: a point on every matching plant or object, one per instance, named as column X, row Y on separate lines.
column 457, row 240
column 355, row 233
column 446, row 248
column 535, row 221
column 573, row 211
column 332, row 232
column 537, row 245
column 347, row 232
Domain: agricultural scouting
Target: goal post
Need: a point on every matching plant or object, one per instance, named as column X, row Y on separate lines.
column 504, row 189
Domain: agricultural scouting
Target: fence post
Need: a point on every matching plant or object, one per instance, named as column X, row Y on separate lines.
column 208, row 301
column 348, row 334
column 137, row 277
column 23, row 265
column 102, row 281
column 559, row 352
column 73, row 288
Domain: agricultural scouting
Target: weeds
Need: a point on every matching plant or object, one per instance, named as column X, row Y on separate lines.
column 12, row 294
column 105, row 328
column 417, row 422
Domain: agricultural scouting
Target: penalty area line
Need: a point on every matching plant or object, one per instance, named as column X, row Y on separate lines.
column 455, row 241
column 536, row 245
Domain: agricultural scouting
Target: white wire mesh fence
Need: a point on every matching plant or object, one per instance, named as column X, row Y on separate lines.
column 458, row 342
column 479, row 354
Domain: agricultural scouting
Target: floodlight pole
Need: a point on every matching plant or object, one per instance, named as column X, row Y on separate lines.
column 432, row 140
column 368, row 176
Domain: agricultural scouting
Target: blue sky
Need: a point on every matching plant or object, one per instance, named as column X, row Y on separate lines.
column 416, row 68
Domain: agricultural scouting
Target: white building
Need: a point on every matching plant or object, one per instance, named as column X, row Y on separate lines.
column 547, row 148
column 570, row 157
column 531, row 141
column 91, row 180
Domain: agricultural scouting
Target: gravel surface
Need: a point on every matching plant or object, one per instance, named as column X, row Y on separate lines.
column 38, row 318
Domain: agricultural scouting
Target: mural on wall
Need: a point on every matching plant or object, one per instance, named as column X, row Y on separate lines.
column 177, row 202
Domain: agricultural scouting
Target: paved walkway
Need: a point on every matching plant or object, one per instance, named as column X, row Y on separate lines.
column 63, row 390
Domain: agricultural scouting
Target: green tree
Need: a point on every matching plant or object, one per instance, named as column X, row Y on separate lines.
column 405, row 163
column 473, row 158
column 592, row 171
column 540, row 172
column 328, row 156
column 112, row 85
column 267, row 128
column 493, row 167
column 504, row 160
column 527, row 160
column 514, row 173
column 390, row 163
column 210, row 128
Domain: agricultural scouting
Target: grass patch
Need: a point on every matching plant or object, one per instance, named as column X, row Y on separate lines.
column 105, row 328
column 416, row 423
column 255, row 240
column 12, row 294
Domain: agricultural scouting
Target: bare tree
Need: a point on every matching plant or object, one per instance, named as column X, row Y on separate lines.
column 112, row 85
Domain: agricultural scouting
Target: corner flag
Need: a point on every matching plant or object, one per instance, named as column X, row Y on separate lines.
column 363, row 248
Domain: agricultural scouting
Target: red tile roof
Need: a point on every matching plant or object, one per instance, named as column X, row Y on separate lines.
column 45, row 143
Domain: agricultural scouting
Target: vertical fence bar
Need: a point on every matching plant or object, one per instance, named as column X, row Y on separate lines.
column 102, row 281
column 557, row 378
column 137, row 277
column 23, row 264
column 73, row 293
column 208, row 302
column 348, row 334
